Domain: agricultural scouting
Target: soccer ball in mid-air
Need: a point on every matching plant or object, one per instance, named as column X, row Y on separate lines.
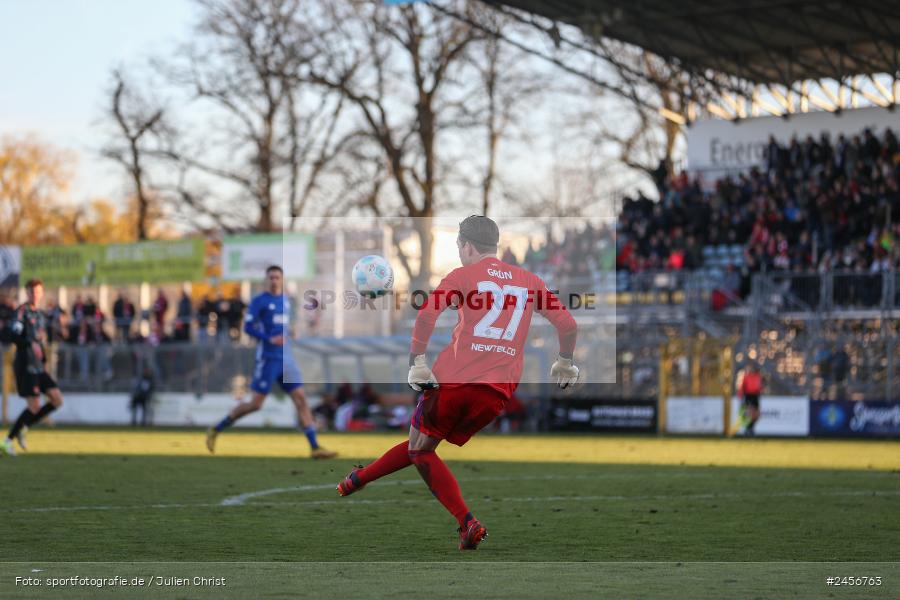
column 373, row 275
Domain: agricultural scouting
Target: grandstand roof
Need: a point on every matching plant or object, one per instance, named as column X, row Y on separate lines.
column 761, row 41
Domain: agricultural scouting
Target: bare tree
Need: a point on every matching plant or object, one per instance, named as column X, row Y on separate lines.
column 646, row 139
column 497, row 117
column 250, row 141
column 576, row 186
column 419, row 80
column 505, row 82
column 136, row 123
column 641, row 85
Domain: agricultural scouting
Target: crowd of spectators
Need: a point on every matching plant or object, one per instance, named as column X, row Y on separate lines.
column 84, row 323
column 581, row 254
column 815, row 205
column 92, row 333
column 213, row 318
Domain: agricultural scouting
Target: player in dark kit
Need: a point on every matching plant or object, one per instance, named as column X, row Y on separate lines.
column 28, row 331
column 477, row 373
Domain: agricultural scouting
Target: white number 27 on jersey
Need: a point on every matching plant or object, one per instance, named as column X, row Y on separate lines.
column 484, row 328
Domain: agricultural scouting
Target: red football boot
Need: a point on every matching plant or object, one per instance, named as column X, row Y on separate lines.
column 473, row 535
column 350, row 483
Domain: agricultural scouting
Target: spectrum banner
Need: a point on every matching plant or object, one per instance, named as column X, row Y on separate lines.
column 61, row 265
column 93, row 264
column 863, row 418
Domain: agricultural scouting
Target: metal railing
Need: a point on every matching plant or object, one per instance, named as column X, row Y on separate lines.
column 176, row 367
column 837, row 291
column 773, row 292
column 828, row 335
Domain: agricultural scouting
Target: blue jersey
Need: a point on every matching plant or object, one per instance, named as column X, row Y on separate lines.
column 267, row 317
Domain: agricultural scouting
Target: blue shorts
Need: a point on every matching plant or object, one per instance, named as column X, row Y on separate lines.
column 270, row 370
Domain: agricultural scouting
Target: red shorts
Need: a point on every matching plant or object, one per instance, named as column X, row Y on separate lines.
column 456, row 413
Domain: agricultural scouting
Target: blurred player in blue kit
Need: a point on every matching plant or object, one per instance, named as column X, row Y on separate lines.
column 266, row 320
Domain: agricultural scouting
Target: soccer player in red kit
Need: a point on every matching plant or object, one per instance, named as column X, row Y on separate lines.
column 478, row 372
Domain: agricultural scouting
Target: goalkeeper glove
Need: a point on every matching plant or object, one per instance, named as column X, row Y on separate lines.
column 420, row 375
column 565, row 372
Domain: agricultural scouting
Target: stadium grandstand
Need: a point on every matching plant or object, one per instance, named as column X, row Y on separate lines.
column 789, row 251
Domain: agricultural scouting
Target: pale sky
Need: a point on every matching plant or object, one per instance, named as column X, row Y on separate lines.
column 55, row 77
column 57, row 58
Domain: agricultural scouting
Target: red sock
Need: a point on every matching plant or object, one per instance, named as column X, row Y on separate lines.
column 442, row 484
column 393, row 460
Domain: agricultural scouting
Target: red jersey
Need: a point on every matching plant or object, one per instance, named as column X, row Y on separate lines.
column 495, row 302
column 752, row 384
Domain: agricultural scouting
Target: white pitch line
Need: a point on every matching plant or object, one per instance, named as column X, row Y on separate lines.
column 242, row 498
column 609, row 498
column 725, row 496
column 42, row 509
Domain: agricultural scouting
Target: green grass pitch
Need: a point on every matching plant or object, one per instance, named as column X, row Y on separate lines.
column 275, row 527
